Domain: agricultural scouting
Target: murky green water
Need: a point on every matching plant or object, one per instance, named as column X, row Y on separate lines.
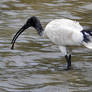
column 36, row 65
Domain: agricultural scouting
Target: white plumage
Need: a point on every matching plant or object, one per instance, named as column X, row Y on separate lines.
column 62, row 32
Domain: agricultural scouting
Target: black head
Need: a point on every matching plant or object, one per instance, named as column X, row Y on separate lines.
column 31, row 22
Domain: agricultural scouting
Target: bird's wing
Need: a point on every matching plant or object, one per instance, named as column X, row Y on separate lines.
column 63, row 31
column 70, row 24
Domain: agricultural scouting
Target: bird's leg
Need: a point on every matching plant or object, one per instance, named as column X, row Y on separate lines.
column 68, row 60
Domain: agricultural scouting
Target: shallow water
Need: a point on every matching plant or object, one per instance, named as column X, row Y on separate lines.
column 36, row 65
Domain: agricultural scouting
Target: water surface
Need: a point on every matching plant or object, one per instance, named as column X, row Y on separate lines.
column 36, row 65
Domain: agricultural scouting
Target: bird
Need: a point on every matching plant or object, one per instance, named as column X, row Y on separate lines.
column 62, row 32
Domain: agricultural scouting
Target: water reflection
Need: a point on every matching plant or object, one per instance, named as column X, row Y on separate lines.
column 36, row 65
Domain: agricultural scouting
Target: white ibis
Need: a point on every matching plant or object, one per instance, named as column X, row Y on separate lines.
column 62, row 32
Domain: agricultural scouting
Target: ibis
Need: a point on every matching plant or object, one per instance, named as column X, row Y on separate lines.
column 62, row 32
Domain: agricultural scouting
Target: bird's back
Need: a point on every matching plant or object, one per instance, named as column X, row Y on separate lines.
column 63, row 32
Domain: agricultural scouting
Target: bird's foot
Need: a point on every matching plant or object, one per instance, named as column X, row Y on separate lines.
column 68, row 68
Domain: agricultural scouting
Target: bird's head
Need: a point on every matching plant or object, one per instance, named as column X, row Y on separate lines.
column 31, row 22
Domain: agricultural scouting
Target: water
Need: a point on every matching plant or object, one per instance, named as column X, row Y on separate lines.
column 36, row 65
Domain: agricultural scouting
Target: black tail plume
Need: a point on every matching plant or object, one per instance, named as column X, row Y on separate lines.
column 87, row 34
column 87, row 41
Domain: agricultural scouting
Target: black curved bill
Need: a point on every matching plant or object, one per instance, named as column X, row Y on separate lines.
column 17, row 35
